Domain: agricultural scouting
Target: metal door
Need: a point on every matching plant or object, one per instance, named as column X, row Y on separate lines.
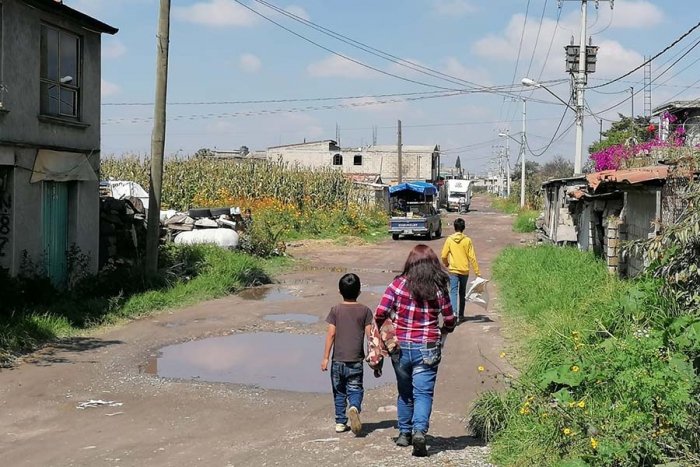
column 54, row 231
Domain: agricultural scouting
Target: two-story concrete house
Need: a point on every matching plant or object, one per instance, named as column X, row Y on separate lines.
column 419, row 163
column 50, row 80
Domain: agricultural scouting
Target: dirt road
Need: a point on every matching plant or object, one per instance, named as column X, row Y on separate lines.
column 170, row 422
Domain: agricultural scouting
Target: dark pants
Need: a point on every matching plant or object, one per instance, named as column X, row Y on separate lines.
column 458, row 292
column 347, row 388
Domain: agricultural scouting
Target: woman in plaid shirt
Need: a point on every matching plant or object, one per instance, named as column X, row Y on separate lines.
column 417, row 297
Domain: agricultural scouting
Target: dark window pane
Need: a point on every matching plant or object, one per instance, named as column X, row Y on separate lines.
column 49, row 53
column 69, row 58
column 68, row 99
column 49, row 99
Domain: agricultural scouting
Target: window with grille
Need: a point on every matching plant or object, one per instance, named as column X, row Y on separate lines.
column 60, row 73
column 338, row 159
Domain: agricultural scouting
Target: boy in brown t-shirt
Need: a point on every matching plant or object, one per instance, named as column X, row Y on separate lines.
column 348, row 324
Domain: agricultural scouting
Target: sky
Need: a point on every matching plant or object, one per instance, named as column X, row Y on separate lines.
column 223, row 56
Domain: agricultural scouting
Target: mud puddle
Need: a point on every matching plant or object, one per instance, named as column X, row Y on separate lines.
column 345, row 270
column 267, row 294
column 283, row 318
column 289, row 362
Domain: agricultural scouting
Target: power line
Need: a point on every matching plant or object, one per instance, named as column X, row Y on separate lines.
column 372, row 50
column 541, row 151
column 517, row 61
column 666, row 49
column 537, row 38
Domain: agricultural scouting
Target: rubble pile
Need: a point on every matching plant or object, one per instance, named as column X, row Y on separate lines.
column 122, row 229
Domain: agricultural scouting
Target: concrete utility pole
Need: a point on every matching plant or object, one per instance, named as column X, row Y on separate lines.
column 523, row 149
column 632, row 99
column 580, row 86
column 507, row 163
column 158, row 138
column 400, row 162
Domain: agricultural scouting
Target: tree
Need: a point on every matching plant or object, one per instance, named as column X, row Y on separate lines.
column 559, row 167
column 458, row 164
column 531, row 168
column 622, row 131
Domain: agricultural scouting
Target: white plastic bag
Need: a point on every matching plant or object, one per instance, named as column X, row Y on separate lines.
column 478, row 293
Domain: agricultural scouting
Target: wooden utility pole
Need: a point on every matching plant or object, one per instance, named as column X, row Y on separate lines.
column 158, row 138
column 400, row 162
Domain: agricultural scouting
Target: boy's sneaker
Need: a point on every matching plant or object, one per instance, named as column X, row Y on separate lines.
column 355, row 423
column 419, row 448
column 404, row 440
column 341, row 428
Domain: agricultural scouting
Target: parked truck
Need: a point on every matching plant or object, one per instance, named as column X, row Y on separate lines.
column 413, row 210
column 458, row 195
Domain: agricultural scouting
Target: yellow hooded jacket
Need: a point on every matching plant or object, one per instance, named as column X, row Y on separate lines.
column 458, row 254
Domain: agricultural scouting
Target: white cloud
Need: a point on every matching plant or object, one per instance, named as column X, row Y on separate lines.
column 613, row 57
column 298, row 11
column 632, row 15
column 113, row 49
column 109, row 89
column 371, row 104
column 249, row 63
column 228, row 13
column 453, row 7
column 335, row 66
column 217, row 13
column 453, row 67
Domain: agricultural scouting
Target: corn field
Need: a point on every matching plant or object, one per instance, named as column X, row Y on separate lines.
column 188, row 181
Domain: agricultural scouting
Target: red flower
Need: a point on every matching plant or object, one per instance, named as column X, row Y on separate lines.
column 652, row 128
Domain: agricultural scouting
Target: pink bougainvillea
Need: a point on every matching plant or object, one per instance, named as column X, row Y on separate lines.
column 611, row 158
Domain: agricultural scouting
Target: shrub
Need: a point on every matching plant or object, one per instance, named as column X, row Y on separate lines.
column 525, row 221
column 607, row 367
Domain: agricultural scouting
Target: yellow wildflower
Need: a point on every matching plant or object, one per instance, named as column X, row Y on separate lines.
column 575, row 369
column 594, row 443
column 574, row 333
column 503, row 355
column 481, row 368
column 571, row 404
column 581, row 404
column 544, row 415
column 567, row 431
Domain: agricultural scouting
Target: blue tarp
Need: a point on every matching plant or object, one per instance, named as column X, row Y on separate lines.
column 418, row 187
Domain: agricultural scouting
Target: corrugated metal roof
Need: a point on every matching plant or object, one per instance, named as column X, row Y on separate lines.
column 676, row 105
column 627, row 176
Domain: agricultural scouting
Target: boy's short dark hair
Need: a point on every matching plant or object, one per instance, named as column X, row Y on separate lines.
column 459, row 225
column 349, row 286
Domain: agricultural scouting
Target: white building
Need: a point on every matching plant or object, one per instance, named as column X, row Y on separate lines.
column 418, row 162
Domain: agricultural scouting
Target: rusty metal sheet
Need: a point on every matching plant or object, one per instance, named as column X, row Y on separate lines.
column 628, row 176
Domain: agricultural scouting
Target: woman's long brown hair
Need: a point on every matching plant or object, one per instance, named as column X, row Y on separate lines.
column 425, row 274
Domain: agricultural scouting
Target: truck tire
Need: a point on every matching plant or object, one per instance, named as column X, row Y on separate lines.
column 438, row 234
column 395, row 236
column 429, row 235
column 199, row 213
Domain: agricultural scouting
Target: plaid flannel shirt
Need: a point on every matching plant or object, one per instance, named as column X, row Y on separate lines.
column 415, row 322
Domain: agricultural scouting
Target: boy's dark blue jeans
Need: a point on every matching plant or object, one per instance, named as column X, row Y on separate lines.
column 347, row 388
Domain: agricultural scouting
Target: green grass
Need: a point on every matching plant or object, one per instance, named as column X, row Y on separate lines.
column 189, row 275
column 525, row 221
column 525, row 218
column 591, row 391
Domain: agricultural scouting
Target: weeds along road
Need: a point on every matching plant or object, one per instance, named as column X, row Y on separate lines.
column 175, row 422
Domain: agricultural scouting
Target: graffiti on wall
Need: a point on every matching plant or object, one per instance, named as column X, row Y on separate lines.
column 5, row 215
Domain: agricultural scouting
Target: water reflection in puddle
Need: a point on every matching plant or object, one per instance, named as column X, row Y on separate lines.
column 289, row 362
column 308, row 319
column 267, row 294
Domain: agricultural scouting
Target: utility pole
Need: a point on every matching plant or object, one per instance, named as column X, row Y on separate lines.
column 400, row 162
column 580, row 85
column 523, row 149
column 508, row 163
column 158, row 138
column 632, row 99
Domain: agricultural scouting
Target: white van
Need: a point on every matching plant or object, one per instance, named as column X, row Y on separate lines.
column 458, row 192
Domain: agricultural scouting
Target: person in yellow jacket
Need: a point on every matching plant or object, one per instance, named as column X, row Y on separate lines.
column 458, row 255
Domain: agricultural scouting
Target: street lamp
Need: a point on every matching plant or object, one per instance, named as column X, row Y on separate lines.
column 578, row 159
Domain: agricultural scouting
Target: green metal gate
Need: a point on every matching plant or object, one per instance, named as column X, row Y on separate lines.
column 54, row 231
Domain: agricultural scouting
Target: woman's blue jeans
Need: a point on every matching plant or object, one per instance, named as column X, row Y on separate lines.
column 416, row 372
